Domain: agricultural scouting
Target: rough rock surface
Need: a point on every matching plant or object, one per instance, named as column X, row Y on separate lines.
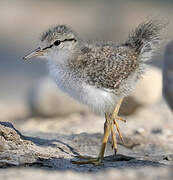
column 46, row 100
column 56, row 151
column 147, row 153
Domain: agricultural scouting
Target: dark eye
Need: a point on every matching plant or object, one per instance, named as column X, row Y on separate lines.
column 57, row 42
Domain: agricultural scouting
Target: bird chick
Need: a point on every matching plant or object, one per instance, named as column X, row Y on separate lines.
column 98, row 74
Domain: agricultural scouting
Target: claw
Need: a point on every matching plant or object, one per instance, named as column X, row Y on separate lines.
column 121, row 119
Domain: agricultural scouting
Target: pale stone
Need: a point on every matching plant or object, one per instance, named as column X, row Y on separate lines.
column 45, row 99
column 149, row 88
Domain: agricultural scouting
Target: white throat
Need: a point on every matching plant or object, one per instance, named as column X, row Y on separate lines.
column 59, row 57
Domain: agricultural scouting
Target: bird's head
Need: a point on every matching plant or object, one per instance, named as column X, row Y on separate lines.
column 58, row 42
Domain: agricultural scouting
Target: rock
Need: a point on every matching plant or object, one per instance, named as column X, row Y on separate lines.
column 148, row 91
column 13, row 109
column 129, row 106
column 46, row 100
column 149, row 88
column 13, row 148
column 168, row 74
column 56, row 151
column 143, row 156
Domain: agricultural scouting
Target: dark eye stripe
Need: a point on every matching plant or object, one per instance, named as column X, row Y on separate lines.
column 72, row 39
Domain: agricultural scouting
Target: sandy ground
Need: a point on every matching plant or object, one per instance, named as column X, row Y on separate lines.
column 49, row 144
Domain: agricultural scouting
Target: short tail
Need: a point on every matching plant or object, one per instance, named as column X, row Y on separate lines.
column 146, row 38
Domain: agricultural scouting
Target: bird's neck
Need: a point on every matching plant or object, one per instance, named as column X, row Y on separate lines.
column 60, row 57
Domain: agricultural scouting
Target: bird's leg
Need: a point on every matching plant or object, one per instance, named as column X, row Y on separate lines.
column 115, row 117
column 108, row 128
column 114, row 140
column 97, row 161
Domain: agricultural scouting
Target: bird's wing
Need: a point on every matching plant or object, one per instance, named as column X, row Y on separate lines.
column 107, row 67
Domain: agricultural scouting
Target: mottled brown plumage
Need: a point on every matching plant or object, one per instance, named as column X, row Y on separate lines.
column 105, row 66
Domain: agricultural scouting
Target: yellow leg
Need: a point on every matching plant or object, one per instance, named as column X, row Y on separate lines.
column 99, row 159
column 115, row 117
column 109, row 128
column 114, row 140
column 116, row 110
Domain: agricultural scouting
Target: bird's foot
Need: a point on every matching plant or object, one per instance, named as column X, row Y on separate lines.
column 120, row 119
column 88, row 160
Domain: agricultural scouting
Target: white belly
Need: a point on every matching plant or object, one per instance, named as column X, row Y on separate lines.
column 99, row 100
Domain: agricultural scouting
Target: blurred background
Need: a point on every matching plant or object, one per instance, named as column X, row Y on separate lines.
column 25, row 89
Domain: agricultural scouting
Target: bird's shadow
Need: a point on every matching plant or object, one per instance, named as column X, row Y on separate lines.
column 54, row 163
column 119, row 161
column 63, row 164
